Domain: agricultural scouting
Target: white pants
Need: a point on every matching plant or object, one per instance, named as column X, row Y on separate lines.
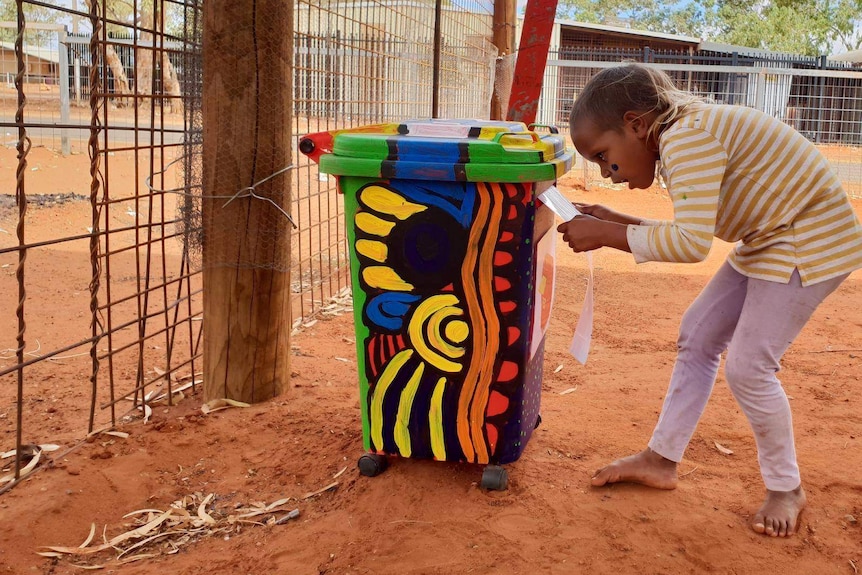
column 755, row 321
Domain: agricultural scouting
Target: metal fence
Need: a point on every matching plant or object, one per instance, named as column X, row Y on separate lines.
column 100, row 308
column 822, row 101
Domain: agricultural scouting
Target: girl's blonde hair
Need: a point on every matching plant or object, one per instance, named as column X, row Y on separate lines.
column 630, row 88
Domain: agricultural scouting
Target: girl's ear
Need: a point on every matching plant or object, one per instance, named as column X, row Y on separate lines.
column 637, row 122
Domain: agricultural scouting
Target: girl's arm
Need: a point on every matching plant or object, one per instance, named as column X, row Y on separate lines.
column 607, row 214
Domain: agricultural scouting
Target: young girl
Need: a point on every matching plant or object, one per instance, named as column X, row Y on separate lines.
column 742, row 176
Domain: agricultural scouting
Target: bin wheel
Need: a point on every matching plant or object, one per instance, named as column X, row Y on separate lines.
column 372, row 464
column 306, row 145
column 495, row 478
column 538, row 421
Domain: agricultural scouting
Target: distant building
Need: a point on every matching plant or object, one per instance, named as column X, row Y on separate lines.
column 41, row 65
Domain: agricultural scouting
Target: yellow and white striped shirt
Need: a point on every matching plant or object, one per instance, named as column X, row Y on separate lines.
column 740, row 175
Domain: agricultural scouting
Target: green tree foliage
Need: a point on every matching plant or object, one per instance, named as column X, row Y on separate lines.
column 809, row 27
column 120, row 11
column 9, row 13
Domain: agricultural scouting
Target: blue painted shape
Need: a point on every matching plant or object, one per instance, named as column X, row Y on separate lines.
column 456, row 199
column 427, row 149
column 388, row 309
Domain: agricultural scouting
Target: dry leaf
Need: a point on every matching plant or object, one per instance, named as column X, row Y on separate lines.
column 142, row 530
column 148, row 412
column 98, row 431
column 47, row 447
column 559, row 368
column 278, row 503
column 176, row 391
column 76, row 550
column 139, row 511
column 89, row 537
column 222, row 403
column 570, row 390
column 9, row 477
column 120, row 434
column 332, row 485
column 337, row 475
column 722, row 448
column 235, row 403
column 206, row 517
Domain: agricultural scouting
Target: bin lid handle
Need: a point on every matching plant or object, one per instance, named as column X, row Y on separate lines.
column 499, row 135
column 552, row 129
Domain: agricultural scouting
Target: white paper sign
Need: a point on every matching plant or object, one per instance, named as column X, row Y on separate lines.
column 580, row 346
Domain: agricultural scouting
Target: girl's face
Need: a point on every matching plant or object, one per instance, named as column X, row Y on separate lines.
column 627, row 155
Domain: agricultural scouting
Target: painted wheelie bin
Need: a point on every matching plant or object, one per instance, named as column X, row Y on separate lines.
column 452, row 266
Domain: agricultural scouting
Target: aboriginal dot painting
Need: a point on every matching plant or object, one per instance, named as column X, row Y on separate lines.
column 444, row 299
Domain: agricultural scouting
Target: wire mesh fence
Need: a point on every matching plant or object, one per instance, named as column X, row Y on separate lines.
column 106, row 322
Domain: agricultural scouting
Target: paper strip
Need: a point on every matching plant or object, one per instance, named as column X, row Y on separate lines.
column 558, row 203
column 580, row 346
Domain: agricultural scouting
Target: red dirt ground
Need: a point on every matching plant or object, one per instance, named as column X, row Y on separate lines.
column 423, row 517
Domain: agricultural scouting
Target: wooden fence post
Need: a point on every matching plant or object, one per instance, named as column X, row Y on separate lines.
column 247, row 112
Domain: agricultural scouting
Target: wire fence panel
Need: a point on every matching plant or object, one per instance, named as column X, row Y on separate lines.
column 106, row 322
column 825, row 105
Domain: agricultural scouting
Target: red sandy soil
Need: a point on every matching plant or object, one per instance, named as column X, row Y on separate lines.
column 425, row 517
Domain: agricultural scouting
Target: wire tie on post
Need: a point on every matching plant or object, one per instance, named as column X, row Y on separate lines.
column 248, row 192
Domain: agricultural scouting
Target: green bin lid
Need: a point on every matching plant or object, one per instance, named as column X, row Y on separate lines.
column 448, row 150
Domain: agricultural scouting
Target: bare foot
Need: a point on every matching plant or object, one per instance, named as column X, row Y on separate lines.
column 647, row 468
column 778, row 514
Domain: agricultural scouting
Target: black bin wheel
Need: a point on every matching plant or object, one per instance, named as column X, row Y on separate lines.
column 495, row 478
column 306, row 145
column 538, row 421
column 372, row 464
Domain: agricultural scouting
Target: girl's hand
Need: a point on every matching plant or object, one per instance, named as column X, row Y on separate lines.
column 604, row 213
column 586, row 233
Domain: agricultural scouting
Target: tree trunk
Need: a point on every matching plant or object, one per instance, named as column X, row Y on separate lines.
column 504, row 39
column 144, row 59
column 121, row 81
column 171, row 84
column 144, row 65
